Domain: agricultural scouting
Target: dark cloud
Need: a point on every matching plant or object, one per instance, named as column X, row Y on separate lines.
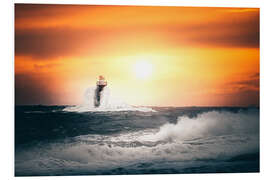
column 244, row 92
column 55, row 42
column 234, row 30
column 46, row 10
column 30, row 89
column 61, row 42
column 230, row 32
column 248, row 40
column 51, row 43
column 246, row 84
column 252, row 83
column 255, row 76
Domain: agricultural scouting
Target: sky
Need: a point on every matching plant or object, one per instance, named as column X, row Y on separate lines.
column 150, row 55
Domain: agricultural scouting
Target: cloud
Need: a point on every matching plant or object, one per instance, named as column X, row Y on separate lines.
column 231, row 32
column 243, row 91
column 55, row 42
column 29, row 91
column 49, row 31
column 255, row 76
column 45, row 66
column 52, row 43
column 251, row 83
column 34, row 89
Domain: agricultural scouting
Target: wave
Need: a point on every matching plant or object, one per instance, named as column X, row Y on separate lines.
column 107, row 103
column 210, row 137
column 103, row 156
column 213, row 123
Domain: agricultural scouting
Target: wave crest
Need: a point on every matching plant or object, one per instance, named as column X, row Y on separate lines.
column 212, row 123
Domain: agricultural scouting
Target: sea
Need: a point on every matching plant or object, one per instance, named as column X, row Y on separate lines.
column 74, row 140
column 116, row 138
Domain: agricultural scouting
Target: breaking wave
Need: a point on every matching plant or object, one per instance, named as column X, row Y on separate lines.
column 107, row 103
column 211, row 123
column 211, row 136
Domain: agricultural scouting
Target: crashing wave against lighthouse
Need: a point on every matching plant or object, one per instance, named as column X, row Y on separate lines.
column 107, row 103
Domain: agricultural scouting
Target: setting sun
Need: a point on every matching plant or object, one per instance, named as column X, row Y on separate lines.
column 60, row 51
column 143, row 69
column 122, row 90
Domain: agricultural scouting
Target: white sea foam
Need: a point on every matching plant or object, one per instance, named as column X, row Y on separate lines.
column 212, row 123
column 108, row 155
column 107, row 103
column 211, row 135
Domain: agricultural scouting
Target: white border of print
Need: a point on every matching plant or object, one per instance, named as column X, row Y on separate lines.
column 7, row 84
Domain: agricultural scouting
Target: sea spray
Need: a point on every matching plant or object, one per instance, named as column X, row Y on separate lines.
column 107, row 103
column 169, row 141
column 211, row 123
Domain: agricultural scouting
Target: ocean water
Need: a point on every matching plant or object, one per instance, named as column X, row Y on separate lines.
column 61, row 140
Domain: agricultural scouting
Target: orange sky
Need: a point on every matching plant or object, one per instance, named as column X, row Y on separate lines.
column 199, row 56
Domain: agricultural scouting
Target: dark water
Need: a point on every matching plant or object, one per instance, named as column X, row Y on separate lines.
column 50, row 141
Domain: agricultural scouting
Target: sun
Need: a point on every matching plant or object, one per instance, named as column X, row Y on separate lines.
column 143, row 69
